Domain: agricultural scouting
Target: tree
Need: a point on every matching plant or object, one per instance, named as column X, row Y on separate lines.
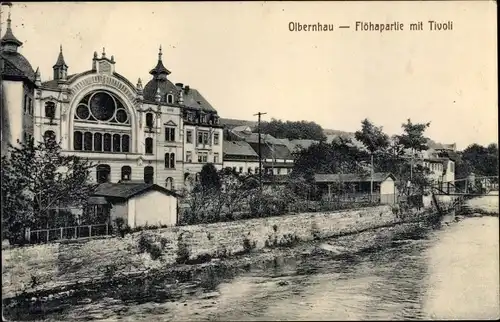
column 373, row 138
column 293, row 130
column 481, row 160
column 37, row 178
column 413, row 136
column 209, row 177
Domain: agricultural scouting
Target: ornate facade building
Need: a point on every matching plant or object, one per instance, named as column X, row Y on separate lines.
column 160, row 133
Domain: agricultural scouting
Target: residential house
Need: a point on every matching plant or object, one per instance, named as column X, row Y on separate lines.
column 276, row 156
column 137, row 203
column 384, row 185
column 239, row 156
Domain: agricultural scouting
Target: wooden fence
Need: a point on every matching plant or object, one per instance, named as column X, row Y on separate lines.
column 65, row 233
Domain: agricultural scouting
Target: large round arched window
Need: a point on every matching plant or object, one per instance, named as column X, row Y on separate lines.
column 102, row 106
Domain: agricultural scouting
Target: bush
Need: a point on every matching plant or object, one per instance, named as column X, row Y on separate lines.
column 183, row 251
column 163, row 242
column 146, row 245
column 248, row 245
column 267, row 205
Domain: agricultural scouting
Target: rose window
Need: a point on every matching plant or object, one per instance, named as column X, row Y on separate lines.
column 102, row 107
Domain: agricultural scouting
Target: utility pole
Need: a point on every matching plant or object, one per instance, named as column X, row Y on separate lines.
column 371, row 178
column 259, row 114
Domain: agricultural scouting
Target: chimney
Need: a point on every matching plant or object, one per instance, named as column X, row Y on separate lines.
column 179, row 85
column 186, row 89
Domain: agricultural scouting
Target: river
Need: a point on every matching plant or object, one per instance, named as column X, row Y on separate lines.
column 451, row 273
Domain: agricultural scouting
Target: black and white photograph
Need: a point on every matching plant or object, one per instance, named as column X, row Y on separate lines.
column 249, row 161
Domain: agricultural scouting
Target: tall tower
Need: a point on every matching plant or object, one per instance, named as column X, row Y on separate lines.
column 17, row 90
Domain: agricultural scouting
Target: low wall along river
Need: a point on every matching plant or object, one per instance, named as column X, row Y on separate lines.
column 47, row 266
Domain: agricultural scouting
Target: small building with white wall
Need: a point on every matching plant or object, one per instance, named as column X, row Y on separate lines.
column 384, row 185
column 139, row 203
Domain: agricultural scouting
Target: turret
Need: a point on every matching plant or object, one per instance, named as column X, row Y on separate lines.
column 60, row 68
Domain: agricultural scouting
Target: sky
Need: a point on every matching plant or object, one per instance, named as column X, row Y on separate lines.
column 244, row 59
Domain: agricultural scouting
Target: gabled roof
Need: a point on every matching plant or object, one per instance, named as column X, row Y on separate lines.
column 128, row 190
column 193, row 98
column 352, row 177
column 238, row 148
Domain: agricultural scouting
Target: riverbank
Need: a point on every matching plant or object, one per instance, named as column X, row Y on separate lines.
column 180, row 282
column 48, row 266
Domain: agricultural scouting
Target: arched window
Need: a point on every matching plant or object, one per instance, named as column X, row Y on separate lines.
column 149, row 120
column 103, row 173
column 78, row 142
column 170, row 99
column 97, row 142
column 49, row 135
column 149, row 145
column 94, row 110
column 87, row 141
column 125, row 143
column 107, row 142
column 149, row 174
column 116, row 143
column 50, row 110
column 169, row 183
column 126, row 173
column 170, row 160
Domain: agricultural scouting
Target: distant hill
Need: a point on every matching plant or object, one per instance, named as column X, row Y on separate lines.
column 330, row 134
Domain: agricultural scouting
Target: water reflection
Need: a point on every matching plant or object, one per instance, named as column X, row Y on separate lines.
column 454, row 273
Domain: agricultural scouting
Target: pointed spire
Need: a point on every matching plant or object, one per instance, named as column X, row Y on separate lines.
column 38, row 81
column 9, row 41
column 159, row 69
column 112, row 58
column 103, row 52
column 139, row 85
column 60, row 59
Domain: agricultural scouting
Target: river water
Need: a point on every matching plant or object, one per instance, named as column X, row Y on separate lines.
column 451, row 273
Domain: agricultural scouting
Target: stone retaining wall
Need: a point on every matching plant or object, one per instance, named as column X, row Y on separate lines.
column 51, row 265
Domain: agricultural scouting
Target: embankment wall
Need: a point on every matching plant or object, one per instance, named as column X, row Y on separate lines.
column 50, row 265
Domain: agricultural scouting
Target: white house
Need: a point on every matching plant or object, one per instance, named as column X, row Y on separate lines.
column 383, row 184
column 139, row 204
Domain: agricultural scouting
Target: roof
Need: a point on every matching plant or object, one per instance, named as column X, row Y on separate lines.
column 164, row 85
column 60, row 60
column 97, row 200
column 8, row 37
column 194, row 99
column 239, row 148
column 159, row 68
column 16, row 65
column 302, row 144
column 128, row 190
column 273, row 151
column 352, row 177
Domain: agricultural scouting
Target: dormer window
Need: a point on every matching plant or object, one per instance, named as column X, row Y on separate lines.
column 170, row 99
